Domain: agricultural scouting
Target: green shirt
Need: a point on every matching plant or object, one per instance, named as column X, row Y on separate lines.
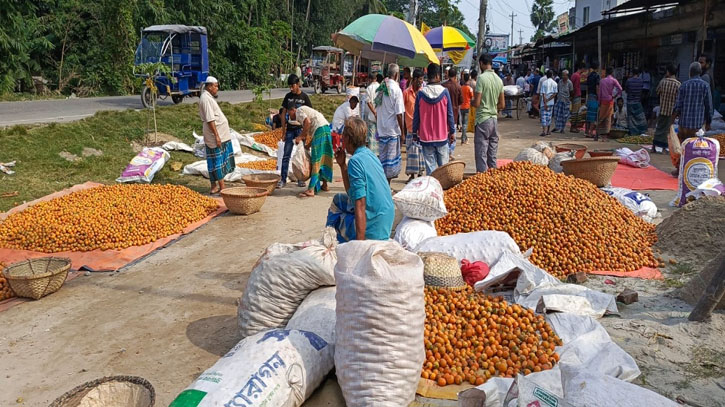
column 490, row 86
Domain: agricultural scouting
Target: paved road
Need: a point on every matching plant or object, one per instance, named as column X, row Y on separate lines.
column 65, row 110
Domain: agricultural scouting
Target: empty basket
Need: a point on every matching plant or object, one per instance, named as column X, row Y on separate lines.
column 579, row 149
column 36, row 278
column 244, row 200
column 266, row 181
column 597, row 170
column 449, row 175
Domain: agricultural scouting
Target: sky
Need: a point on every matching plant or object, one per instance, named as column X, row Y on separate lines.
column 498, row 15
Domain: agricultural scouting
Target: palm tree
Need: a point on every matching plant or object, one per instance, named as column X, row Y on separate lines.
column 542, row 16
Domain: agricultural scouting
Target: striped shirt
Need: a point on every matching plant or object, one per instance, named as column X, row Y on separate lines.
column 694, row 103
column 667, row 90
column 634, row 89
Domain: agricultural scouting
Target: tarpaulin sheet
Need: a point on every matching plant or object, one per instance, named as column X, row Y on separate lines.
column 97, row 260
column 649, row 178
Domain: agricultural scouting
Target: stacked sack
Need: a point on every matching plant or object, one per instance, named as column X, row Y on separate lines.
column 539, row 153
column 698, row 165
column 380, row 316
column 421, row 203
column 282, row 279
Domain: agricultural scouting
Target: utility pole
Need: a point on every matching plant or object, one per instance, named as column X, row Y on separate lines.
column 481, row 26
column 412, row 11
column 511, row 52
column 521, row 37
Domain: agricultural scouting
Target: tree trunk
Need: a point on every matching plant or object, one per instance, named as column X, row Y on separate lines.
column 412, row 11
column 62, row 57
column 713, row 293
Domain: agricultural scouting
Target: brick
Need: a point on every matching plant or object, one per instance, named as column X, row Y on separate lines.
column 577, row 278
column 628, row 296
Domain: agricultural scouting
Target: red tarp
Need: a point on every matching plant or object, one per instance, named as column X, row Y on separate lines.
column 638, row 179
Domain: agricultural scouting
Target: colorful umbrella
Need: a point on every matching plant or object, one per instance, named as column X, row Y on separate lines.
column 449, row 39
column 386, row 35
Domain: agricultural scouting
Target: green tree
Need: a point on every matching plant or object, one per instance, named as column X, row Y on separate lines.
column 542, row 17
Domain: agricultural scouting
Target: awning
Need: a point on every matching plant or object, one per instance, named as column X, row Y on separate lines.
column 175, row 29
column 640, row 5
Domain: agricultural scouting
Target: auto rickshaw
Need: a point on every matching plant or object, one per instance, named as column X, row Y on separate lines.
column 184, row 49
column 328, row 69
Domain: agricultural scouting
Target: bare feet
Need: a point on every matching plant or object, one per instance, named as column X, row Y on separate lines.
column 324, row 186
column 307, row 194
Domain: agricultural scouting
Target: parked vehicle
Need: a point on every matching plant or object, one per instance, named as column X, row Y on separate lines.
column 182, row 48
column 327, row 69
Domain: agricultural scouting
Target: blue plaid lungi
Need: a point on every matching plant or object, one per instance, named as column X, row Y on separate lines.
column 414, row 164
column 389, row 156
column 546, row 116
column 341, row 216
column 220, row 161
column 592, row 110
column 561, row 114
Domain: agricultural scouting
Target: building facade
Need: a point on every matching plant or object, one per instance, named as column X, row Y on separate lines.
column 589, row 11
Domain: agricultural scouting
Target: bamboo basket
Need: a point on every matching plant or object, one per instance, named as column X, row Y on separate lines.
column 597, row 170
column 36, row 278
column 449, row 175
column 266, row 181
column 244, row 200
column 117, row 391
column 579, row 149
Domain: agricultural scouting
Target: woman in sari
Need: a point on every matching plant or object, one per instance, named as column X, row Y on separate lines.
column 321, row 155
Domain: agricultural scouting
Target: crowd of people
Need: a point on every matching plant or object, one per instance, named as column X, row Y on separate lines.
column 424, row 111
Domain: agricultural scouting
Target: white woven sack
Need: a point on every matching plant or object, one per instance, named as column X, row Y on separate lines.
column 555, row 162
column 411, row 232
column 422, row 198
column 317, row 314
column 279, row 284
column 486, row 246
column 379, row 351
column 272, row 368
column 532, row 155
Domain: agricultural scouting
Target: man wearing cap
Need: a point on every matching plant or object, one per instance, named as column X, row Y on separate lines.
column 217, row 138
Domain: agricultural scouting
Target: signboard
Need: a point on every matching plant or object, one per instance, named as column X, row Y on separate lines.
column 496, row 43
column 562, row 22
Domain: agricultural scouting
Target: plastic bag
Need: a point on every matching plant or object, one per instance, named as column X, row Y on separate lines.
column 272, row 368
column 555, row 162
column 637, row 159
column 411, row 232
column 511, row 90
column 532, row 155
column 145, row 165
column 673, row 144
column 379, row 351
column 199, row 146
column 640, row 205
column 278, row 284
column 421, row 199
column 711, row 187
column 698, row 164
column 474, row 272
column 300, row 164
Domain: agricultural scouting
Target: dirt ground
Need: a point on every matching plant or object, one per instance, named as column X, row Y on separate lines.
column 171, row 315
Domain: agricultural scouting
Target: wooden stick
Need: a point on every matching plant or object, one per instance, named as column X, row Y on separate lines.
column 713, row 293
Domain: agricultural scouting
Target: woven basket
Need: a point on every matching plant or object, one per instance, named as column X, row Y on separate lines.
column 449, row 175
column 597, row 170
column 601, row 153
column 36, row 278
column 116, row 391
column 442, row 270
column 244, row 200
column 266, row 181
column 578, row 148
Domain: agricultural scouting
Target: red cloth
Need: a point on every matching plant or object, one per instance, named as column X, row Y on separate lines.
column 473, row 272
column 336, row 141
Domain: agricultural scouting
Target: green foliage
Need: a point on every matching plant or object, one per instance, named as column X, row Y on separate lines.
column 87, row 47
column 434, row 13
column 542, row 17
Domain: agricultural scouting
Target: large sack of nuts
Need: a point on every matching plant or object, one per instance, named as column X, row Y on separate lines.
column 532, row 155
column 421, row 199
column 317, row 314
column 412, row 232
column 278, row 284
column 277, row 367
column 379, row 327
column 145, row 165
column 698, row 164
column 570, row 224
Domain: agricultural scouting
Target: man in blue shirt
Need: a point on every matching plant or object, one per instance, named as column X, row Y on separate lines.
column 367, row 210
column 693, row 106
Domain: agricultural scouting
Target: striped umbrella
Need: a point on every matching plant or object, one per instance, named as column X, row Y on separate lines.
column 449, row 39
column 386, row 35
